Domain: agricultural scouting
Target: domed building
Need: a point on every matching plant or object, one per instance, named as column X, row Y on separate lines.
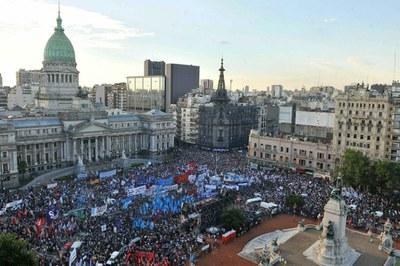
column 59, row 83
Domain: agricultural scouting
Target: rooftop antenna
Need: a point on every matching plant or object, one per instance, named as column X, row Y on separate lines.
column 230, row 85
column 394, row 65
column 58, row 8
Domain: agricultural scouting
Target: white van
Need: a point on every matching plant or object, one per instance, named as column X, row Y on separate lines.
column 272, row 207
column 112, row 258
column 253, row 200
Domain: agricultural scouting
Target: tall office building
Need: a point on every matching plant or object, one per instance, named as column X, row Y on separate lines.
column 154, row 68
column 1, row 81
column 277, row 91
column 27, row 77
column 146, row 93
column 180, row 79
column 207, row 86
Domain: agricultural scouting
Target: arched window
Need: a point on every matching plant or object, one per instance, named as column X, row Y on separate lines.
column 48, row 78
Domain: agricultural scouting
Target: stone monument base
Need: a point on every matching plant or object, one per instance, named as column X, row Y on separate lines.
column 349, row 258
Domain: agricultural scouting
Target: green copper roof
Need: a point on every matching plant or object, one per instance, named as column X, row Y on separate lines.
column 59, row 48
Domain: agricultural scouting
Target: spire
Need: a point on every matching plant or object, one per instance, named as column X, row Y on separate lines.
column 59, row 20
column 221, row 81
column 221, row 94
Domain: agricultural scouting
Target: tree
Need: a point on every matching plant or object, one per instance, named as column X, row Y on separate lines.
column 387, row 176
column 233, row 218
column 294, row 201
column 14, row 251
column 355, row 169
column 22, row 167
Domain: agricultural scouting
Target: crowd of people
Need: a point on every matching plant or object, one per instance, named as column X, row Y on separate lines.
column 158, row 225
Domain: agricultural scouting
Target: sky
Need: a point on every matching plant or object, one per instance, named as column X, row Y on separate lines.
column 296, row 43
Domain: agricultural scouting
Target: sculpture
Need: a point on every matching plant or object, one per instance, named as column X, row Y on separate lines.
column 329, row 230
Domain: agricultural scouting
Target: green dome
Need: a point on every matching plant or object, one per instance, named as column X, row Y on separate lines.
column 59, row 48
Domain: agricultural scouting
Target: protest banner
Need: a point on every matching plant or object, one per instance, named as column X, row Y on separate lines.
column 133, row 191
column 97, row 211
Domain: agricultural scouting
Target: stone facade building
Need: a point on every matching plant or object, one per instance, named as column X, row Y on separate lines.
column 187, row 117
column 51, row 142
column 291, row 152
column 225, row 125
column 363, row 122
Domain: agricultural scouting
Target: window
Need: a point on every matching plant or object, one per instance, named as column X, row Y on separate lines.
column 281, row 149
column 287, row 150
column 255, row 145
column 377, row 147
column 5, row 168
column 378, row 139
column 4, row 154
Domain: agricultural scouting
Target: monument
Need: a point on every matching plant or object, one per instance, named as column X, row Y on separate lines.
column 80, row 169
column 386, row 244
column 332, row 247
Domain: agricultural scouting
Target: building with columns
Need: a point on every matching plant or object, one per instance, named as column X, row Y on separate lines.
column 44, row 143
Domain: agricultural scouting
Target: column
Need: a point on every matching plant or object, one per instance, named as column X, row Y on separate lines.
column 103, row 149
column 73, row 149
column 136, row 142
column 25, row 157
column 96, row 151
column 89, row 150
column 123, row 143
column 81, row 143
column 34, row 162
column 116, row 145
column 44, row 153
column 129, row 144
column 108, row 145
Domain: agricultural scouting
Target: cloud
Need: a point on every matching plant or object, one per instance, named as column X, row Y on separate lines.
column 330, row 20
column 359, row 62
column 224, row 42
column 26, row 25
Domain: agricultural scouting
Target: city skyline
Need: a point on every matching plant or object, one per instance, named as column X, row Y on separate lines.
column 263, row 43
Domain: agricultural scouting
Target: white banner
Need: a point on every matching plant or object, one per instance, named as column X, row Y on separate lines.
column 52, row 185
column 97, row 211
column 103, row 227
column 210, row 187
column 107, row 174
column 132, row 191
column 13, row 204
column 72, row 256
